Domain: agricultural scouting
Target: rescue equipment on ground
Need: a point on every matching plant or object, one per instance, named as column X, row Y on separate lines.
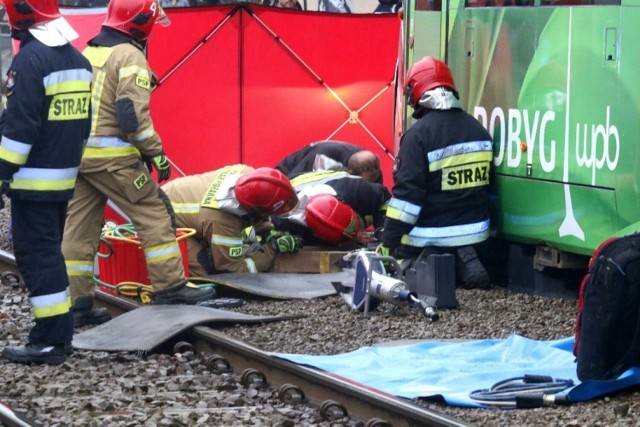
column 528, row 391
column 378, row 278
column 122, row 268
column 433, row 276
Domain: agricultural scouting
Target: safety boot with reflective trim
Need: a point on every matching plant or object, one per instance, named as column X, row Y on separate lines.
column 85, row 314
column 183, row 293
column 36, row 353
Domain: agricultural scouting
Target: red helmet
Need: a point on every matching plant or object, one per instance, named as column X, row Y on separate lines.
column 23, row 14
column 331, row 219
column 135, row 17
column 424, row 75
column 266, row 190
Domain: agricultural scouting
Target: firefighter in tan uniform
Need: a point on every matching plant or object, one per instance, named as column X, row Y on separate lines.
column 220, row 205
column 122, row 138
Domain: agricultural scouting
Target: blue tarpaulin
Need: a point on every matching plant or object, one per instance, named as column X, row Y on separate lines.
column 452, row 370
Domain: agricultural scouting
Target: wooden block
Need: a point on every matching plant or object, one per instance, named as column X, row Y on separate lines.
column 309, row 260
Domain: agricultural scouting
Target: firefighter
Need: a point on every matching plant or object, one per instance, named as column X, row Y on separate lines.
column 322, row 218
column 44, row 128
column 366, row 199
column 332, row 155
column 441, row 177
column 220, row 205
column 113, row 165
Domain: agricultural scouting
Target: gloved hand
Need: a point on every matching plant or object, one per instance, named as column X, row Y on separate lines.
column 162, row 165
column 271, row 234
column 383, row 250
column 287, row 244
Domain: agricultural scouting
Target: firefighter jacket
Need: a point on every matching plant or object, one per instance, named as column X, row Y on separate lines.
column 46, row 122
column 207, row 204
column 121, row 125
column 441, row 179
column 303, row 160
column 367, row 199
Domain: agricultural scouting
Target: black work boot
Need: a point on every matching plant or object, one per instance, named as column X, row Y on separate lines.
column 84, row 313
column 183, row 293
column 36, row 353
column 471, row 270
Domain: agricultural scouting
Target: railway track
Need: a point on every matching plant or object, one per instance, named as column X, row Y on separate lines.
column 336, row 398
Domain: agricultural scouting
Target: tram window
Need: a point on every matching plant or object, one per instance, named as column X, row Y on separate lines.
column 428, row 4
column 580, row 2
column 498, row 3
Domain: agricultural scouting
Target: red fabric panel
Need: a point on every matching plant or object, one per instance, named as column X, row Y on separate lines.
column 247, row 97
column 240, row 87
column 86, row 22
column 196, row 108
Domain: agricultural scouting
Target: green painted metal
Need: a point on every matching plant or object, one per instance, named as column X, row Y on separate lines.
column 557, row 87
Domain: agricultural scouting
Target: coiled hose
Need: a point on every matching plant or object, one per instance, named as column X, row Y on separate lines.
column 528, row 391
column 133, row 289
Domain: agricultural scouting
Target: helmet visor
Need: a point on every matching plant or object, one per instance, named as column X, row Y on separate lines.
column 162, row 19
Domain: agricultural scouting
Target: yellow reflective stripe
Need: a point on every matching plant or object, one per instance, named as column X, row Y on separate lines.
column 42, row 184
column 13, row 151
column 96, row 97
column 219, row 240
column 162, row 252
column 145, row 134
column 97, row 55
column 460, row 159
column 186, row 208
column 95, row 152
column 251, row 264
column 209, row 198
column 44, row 179
column 68, row 86
column 65, row 81
column 52, row 310
column 12, row 157
column 79, row 268
column 51, row 304
column 316, row 176
column 134, row 70
column 107, row 141
column 403, row 211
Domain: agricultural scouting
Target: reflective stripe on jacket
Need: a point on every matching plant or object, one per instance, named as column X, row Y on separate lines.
column 45, row 125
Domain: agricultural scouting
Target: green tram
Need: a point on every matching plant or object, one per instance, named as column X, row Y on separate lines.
column 554, row 83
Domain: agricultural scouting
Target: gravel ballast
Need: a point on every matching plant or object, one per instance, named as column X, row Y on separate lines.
column 128, row 389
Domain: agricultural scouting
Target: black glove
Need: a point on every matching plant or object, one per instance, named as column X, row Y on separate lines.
column 287, row 244
column 161, row 164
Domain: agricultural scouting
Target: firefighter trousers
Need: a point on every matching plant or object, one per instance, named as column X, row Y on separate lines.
column 135, row 193
column 37, row 236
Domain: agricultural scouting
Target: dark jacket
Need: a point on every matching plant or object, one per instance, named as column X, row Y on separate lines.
column 301, row 161
column 46, row 122
column 441, row 178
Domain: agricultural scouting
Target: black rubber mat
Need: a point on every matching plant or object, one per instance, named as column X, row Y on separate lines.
column 283, row 285
column 147, row 327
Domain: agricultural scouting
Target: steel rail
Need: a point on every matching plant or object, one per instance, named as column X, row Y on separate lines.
column 319, row 388
column 360, row 401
